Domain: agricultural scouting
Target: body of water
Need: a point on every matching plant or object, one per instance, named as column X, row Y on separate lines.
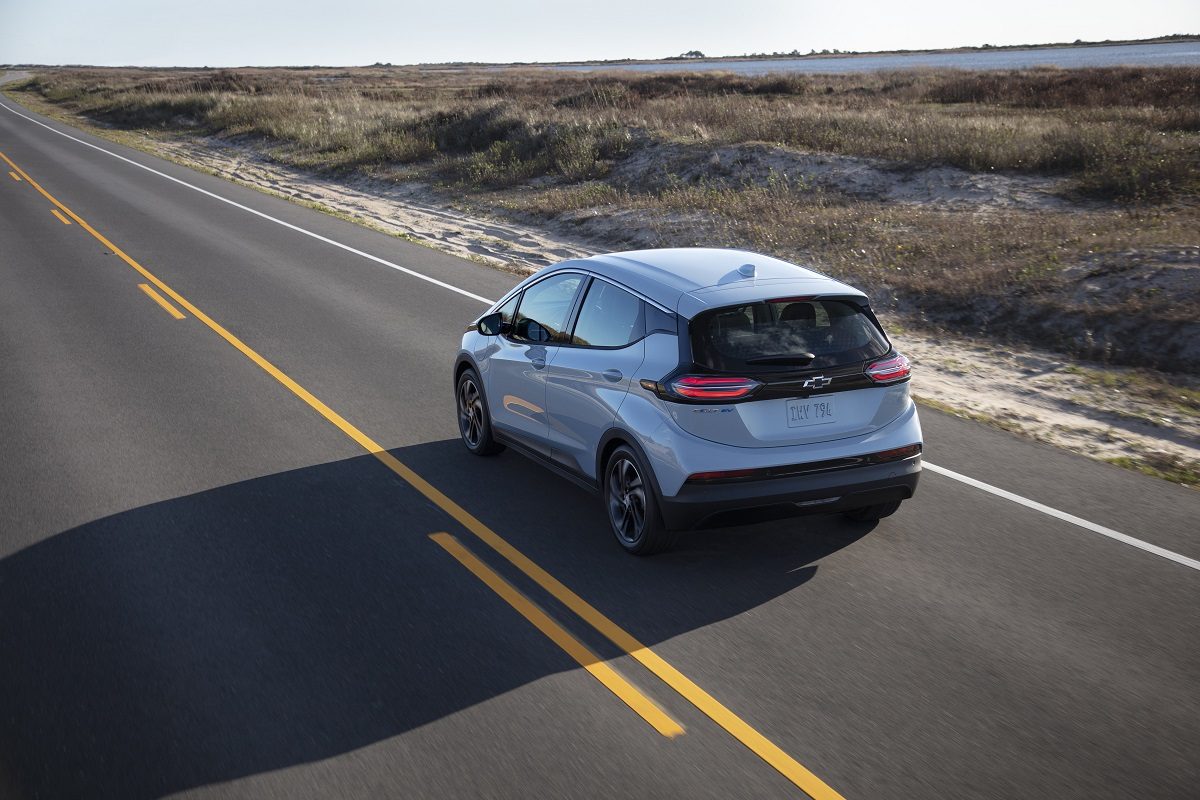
column 1139, row 55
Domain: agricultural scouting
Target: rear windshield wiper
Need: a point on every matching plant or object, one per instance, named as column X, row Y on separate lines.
column 799, row 359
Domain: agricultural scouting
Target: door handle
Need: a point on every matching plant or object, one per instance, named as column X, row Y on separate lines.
column 538, row 363
column 613, row 375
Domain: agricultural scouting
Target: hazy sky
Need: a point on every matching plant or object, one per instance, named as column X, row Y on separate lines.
column 246, row 32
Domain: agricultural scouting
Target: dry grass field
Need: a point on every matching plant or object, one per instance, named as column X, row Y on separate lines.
column 1051, row 207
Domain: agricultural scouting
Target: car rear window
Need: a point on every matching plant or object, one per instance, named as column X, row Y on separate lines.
column 780, row 334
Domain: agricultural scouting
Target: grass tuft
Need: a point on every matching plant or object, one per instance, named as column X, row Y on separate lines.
column 1162, row 465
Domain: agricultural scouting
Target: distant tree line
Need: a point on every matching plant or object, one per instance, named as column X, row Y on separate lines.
column 691, row 54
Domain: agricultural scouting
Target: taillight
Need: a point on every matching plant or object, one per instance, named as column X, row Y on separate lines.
column 889, row 370
column 713, row 387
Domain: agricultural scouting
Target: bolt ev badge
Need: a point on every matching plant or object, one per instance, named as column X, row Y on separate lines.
column 817, row 382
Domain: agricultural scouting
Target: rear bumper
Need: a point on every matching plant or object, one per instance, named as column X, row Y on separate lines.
column 714, row 505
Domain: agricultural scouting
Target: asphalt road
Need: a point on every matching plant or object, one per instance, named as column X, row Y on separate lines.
column 209, row 588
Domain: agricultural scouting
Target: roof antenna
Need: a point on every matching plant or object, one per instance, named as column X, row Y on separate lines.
column 747, row 270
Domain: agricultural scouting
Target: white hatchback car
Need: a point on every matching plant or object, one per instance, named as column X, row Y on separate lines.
column 694, row 387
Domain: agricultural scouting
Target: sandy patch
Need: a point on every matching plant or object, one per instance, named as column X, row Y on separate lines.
column 1093, row 410
column 406, row 209
column 659, row 164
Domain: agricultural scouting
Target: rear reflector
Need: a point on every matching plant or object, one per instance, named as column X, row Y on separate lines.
column 712, row 387
column 722, row 475
column 898, row 454
column 889, row 370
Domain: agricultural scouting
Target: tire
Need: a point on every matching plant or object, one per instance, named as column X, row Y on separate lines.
column 474, row 421
column 632, row 506
column 872, row 513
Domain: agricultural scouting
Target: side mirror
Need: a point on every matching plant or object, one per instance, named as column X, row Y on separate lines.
column 491, row 325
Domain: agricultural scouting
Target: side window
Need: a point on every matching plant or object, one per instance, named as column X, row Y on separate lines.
column 544, row 308
column 610, row 317
column 507, row 311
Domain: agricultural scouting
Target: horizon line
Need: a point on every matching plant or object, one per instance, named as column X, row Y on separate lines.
column 683, row 58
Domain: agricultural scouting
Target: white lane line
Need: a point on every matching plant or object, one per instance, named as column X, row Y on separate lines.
column 1016, row 498
column 1065, row 517
column 277, row 221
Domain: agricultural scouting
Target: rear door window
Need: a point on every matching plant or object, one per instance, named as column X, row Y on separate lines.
column 609, row 317
column 544, row 308
column 777, row 334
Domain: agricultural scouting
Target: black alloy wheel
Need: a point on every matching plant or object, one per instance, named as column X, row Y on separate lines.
column 474, row 423
column 633, row 506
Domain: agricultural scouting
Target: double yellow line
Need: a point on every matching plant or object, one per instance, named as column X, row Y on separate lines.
column 767, row 750
column 557, row 634
column 162, row 301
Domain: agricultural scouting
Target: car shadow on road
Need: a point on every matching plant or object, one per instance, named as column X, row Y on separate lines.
column 297, row 616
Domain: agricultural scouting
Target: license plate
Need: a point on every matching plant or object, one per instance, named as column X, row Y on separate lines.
column 817, row 411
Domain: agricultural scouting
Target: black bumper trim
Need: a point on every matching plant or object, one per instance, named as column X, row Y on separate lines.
column 744, row 502
column 793, row 470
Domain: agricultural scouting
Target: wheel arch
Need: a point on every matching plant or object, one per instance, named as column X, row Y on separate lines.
column 461, row 365
column 612, row 439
